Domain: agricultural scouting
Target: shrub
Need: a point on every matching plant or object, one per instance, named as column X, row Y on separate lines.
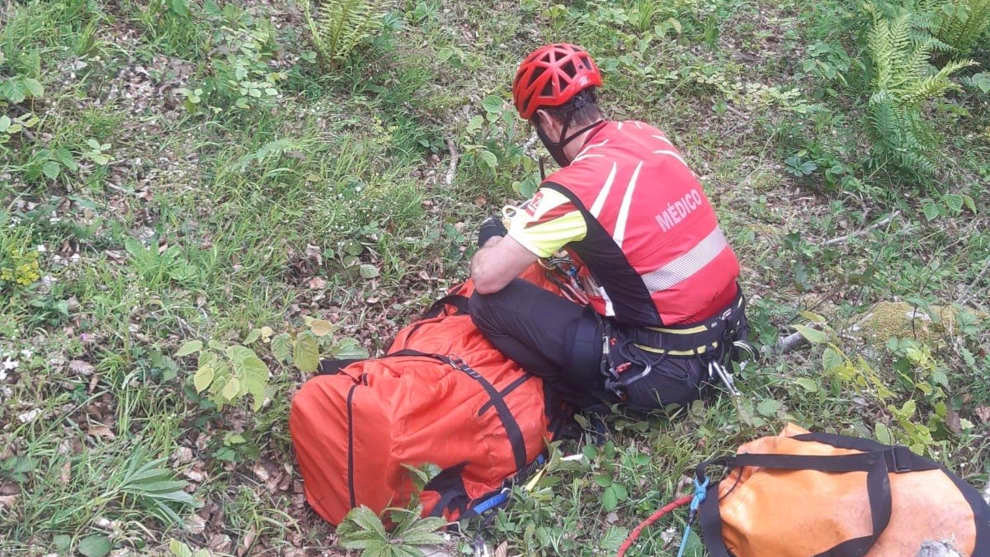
column 903, row 80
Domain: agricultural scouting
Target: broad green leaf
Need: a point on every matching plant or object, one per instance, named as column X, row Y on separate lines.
column 51, row 169
column 307, row 353
column 489, row 158
column 492, row 104
column 62, row 542
column 189, row 347
column 970, row 204
column 237, row 354
column 14, row 91
column 831, row 359
column 813, row 317
column 930, row 209
column 96, row 545
column 203, row 378
column 65, row 157
column 367, row 520
column 954, row 202
column 808, row 384
column 282, row 347
column 768, row 407
column 609, row 499
column 252, row 336
column 33, row 86
column 368, row 271
column 254, row 378
column 620, row 492
column 349, row 349
column 814, row 336
column 4, row 123
column 320, row 327
column 882, row 433
column 231, row 389
column 179, row 549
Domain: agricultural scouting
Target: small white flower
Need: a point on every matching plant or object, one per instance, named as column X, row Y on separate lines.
column 10, row 364
column 42, row 249
column 27, row 353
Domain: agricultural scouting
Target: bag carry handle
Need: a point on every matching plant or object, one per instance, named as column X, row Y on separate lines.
column 877, row 487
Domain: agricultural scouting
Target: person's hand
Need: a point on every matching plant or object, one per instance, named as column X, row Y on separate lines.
column 490, row 228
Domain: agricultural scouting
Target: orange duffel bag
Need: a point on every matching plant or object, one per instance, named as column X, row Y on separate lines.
column 443, row 395
column 804, row 494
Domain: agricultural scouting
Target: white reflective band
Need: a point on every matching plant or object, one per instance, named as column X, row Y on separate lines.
column 688, row 264
column 619, row 234
column 664, row 139
column 596, row 207
column 589, row 147
column 671, row 153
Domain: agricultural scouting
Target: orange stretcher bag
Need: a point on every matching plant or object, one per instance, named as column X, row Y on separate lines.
column 443, row 395
column 804, row 494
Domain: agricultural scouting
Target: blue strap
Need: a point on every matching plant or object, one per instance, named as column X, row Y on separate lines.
column 700, row 489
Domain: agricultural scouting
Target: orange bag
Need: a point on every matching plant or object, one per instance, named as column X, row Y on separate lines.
column 807, row 494
column 444, row 395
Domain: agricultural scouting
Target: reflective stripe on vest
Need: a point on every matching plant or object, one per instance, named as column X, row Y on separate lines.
column 684, row 266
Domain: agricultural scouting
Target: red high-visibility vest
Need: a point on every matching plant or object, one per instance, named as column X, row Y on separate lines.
column 654, row 253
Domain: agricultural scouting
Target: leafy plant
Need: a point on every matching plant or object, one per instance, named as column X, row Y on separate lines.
column 157, row 266
column 363, row 530
column 338, row 26
column 150, row 483
column 18, row 262
column 961, row 23
column 902, row 82
column 229, row 371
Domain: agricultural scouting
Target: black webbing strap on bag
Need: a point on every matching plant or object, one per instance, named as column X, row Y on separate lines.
column 877, row 461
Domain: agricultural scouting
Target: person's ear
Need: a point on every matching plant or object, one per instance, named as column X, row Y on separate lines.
column 549, row 124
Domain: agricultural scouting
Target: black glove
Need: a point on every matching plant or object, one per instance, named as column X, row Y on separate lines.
column 489, row 229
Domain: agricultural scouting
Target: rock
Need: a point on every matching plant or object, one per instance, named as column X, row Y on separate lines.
column 886, row 320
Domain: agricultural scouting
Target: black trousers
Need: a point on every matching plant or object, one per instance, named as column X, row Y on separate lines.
column 561, row 342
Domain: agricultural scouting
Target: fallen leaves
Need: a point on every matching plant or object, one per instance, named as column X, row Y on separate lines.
column 81, row 367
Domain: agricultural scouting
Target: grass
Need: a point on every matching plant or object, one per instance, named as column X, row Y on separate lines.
column 210, row 220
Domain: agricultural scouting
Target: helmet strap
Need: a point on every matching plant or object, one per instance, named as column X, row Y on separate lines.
column 556, row 148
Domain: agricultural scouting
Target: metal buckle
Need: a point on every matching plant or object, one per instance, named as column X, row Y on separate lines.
column 725, row 376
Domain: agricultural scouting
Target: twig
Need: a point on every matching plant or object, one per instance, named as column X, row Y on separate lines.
column 789, row 343
column 877, row 224
column 454, row 158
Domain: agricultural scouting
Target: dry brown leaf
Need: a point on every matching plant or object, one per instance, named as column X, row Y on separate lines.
column 195, row 524
column 984, row 413
column 81, row 367
column 220, row 543
column 194, row 475
column 317, row 283
column 182, row 455
column 952, row 421
column 100, row 430
column 65, row 474
column 9, row 488
column 502, row 550
column 260, row 471
column 246, row 542
column 7, row 500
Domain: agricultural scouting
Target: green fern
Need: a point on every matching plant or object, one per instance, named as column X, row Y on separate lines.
column 338, row 26
column 903, row 80
column 961, row 23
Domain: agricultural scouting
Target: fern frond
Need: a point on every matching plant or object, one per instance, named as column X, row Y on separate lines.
column 339, row 26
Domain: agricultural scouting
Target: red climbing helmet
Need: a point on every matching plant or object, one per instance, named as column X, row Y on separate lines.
column 551, row 75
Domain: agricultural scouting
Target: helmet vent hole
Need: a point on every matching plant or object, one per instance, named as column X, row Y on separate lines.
column 548, row 89
column 569, row 69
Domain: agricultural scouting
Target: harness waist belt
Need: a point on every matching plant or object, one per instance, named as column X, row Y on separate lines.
column 689, row 340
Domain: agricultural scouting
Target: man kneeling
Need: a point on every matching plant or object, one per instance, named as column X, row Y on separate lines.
column 663, row 308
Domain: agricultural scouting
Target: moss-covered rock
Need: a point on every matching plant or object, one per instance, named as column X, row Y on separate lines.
column 901, row 319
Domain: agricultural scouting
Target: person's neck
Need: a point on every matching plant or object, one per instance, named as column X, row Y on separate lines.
column 572, row 149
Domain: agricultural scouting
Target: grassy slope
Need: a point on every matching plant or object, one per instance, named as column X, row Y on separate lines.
column 359, row 169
